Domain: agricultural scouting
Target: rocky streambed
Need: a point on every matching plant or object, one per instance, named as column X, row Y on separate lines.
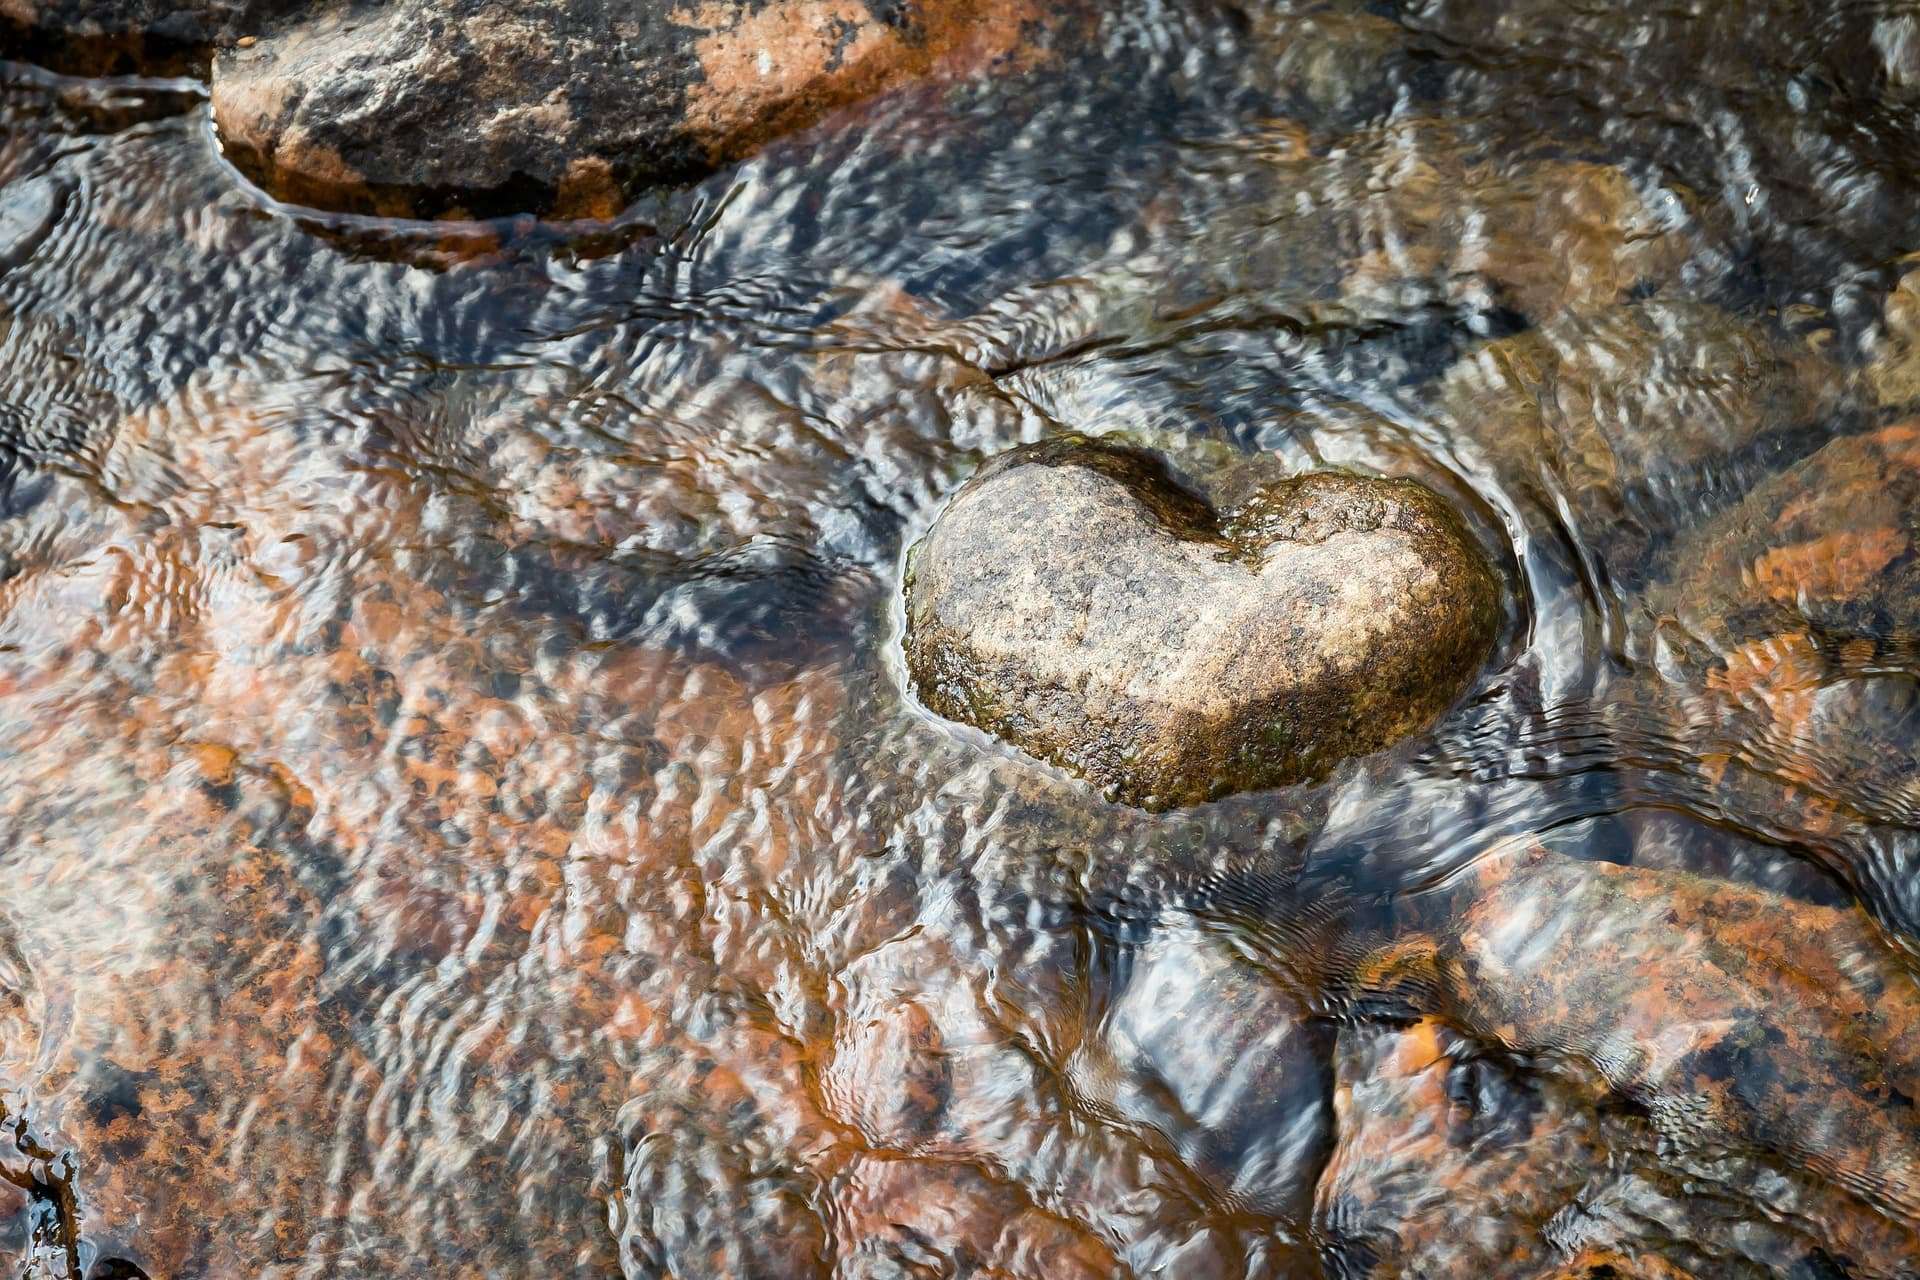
column 803, row 639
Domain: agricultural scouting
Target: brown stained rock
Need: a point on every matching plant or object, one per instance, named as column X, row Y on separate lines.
column 571, row 103
column 896, row 1213
column 100, row 37
column 1660, row 50
column 1091, row 1101
column 1700, row 1077
column 1893, row 371
column 1447, row 1163
column 1412, row 212
column 1613, row 1264
column 1336, row 68
column 1827, row 546
column 769, row 70
column 1455, row 1161
column 1778, row 653
column 1076, row 601
column 1408, row 217
column 1546, row 239
column 1772, row 1046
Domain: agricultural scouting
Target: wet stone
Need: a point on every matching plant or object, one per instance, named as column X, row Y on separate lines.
column 1629, row 420
column 107, row 36
column 1779, row 651
column 1454, row 1159
column 1893, row 368
column 570, row 104
column 1077, row 601
column 1764, row 1048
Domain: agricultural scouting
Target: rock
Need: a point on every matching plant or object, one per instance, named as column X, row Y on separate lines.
column 1399, row 245
column 424, row 105
column 1666, row 49
column 1448, row 1162
column 1772, row 1047
column 1629, row 421
column 1826, row 545
column 1893, row 368
column 1896, row 38
column 1205, row 1050
column 1625, row 1062
column 107, row 36
column 1435, row 219
column 28, row 212
column 1658, row 84
column 1075, row 1092
column 957, row 1216
column 1777, row 653
column 1334, row 69
column 1078, row 602
column 1457, row 1160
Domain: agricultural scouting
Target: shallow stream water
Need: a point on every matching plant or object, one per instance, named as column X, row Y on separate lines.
column 460, row 812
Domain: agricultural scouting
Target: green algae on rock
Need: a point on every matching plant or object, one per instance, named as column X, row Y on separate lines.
column 1076, row 601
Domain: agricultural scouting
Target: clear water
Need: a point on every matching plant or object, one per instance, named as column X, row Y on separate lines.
column 459, row 810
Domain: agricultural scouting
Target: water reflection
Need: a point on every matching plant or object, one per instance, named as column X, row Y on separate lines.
column 460, row 811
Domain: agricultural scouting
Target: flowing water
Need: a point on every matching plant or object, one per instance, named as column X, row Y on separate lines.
column 460, row 813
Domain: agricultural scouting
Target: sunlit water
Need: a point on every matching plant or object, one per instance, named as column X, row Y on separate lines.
column 460, row 813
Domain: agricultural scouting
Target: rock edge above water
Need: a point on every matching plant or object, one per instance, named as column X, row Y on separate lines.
column 555, row 106
column 1076, row 601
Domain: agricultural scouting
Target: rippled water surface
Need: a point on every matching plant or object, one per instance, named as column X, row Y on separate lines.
column 460, row 813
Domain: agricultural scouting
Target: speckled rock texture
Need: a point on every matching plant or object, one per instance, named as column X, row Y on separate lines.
column 1078, row 602
column 433, row 105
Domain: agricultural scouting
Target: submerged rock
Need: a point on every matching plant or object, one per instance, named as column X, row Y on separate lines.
column 1448, row 1162
column 1076, row 601
column 1629, row 421
column 1628, row 1063
column 1759, row 1054
column 1893, row 368
column 442, row 102
column 1454, row 1159
column 1435, row 219
column 1778, row 652
column 1824, row 547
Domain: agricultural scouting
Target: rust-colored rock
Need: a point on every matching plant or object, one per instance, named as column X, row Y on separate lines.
column 1777, row 649
column 1773, row 1047
column 1706, row 1078
column 570, row 104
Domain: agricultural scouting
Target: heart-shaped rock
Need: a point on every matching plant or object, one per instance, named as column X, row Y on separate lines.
column 1076, row 601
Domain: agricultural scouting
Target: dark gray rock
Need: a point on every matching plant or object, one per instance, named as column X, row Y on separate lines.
column 108, row 36
column 1074, row 600
column 437, row 104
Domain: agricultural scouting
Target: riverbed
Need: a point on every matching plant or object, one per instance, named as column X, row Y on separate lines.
column 462, row 811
